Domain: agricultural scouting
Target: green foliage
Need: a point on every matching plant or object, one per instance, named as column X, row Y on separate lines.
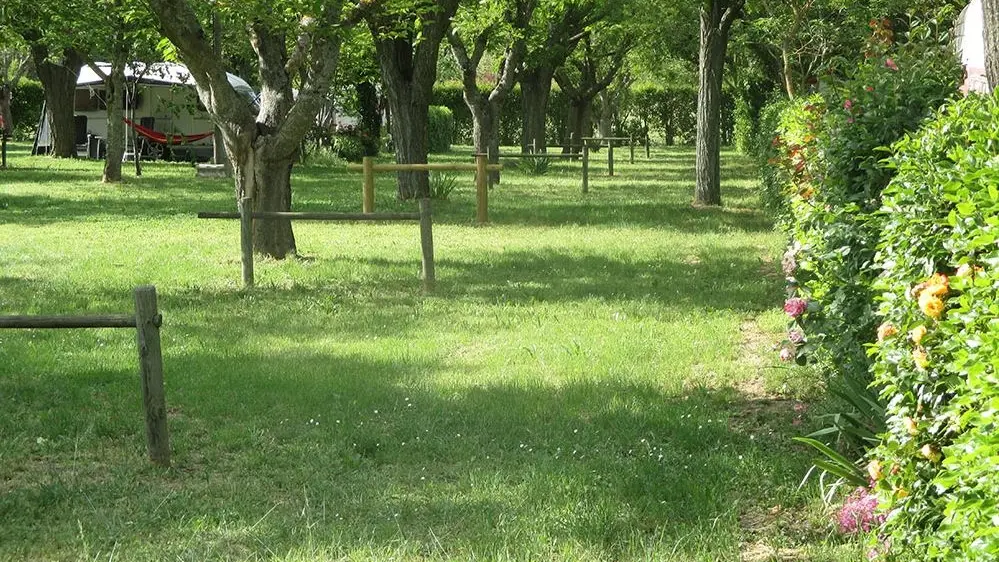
column 449, row 94
column 671, row 113
column 537, row 166
column 782, row 143
column 838, row 179
column 440, row 129
column 941, row 216
column 442, row 185
column 348, row 146
column 25, row 108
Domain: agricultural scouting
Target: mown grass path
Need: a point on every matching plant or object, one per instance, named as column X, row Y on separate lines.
column 574, row 390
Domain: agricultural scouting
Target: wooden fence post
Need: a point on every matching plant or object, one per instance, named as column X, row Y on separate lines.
column 534, row 146
column 246, row 239
column 586, row 167
column 147, row 324
column 368, row 203
column 482, row 188
column 631, row 144
column 610, row 158
column 427, row 244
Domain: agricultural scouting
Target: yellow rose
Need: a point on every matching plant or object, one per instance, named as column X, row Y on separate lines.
column 931, row 453
column 930, row 303
column 910, row 426
column 917, row 334
column 886, row 331
column 874, row 470
column 938, row 285
column 920, row 357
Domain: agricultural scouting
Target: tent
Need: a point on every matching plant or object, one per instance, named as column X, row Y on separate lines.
column 166, row 113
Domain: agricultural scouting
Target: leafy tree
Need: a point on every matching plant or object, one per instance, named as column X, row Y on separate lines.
column 556, row 29
column 14, row 64
column 407, row 36
column 990, row 9
column 501, row 23
column 263, row 143
column 49, row 29
column 589, row 72
column 716, row 17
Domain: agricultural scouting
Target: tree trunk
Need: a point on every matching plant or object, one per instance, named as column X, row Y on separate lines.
column 485, row 130
column 59, row 83
column 371, row 122
column 990, row 9
column 536, row 88
column 607, row 109
column 787, row 70
column 114, row 96
column 580, row 120
column 409, row 130
column 6, row 119
column 712, row 63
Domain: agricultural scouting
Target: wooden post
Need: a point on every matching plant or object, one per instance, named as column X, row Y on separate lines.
column 610, row 158
column 147, row 324
column 3, row 148
column 427, row 244
column 534, row 146
column 368, row 205
column 586, row 167
column 482, row 188
column 631, row 144
column 246, row 239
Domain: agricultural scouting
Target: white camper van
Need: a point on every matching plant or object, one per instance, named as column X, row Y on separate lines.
column 166, row 116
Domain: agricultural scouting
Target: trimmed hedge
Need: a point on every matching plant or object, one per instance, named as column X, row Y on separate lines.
column 669, row 113
column 440, row 129
column 938, row 356
column 26, row 106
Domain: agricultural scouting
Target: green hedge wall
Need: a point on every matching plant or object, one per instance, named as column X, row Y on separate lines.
column 26, row 105
column 440, row 129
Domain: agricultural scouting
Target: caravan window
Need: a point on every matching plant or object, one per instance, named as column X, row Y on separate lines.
column 92, row 99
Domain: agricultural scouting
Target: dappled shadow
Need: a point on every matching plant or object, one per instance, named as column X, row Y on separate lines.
column 601, row 463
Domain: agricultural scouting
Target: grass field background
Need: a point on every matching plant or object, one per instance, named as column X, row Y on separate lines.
column 592, row 379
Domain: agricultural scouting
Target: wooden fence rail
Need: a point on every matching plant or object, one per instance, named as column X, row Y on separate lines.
column 146, row 322
column 246, row 218
column 481, row 169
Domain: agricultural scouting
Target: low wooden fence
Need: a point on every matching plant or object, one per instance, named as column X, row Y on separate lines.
column 246, row 217
column 146, row 322
column 482, row 167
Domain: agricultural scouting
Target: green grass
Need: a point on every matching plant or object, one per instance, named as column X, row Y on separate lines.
column 579, row 387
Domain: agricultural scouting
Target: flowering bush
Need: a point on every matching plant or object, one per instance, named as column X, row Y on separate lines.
column 939, row 365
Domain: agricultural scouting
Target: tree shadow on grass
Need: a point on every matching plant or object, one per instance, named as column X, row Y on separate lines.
column 301, row 449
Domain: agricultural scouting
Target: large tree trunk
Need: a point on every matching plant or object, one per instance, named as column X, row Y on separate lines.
column 115, row 94
column 712, row 63
column 410, row 114
column 59, row 83
column 535, row 88
column 371, row 120
column 485, row 130
column 990, row 9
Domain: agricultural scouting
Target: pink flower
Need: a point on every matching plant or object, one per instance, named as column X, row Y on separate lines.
column 795, row 307
column 850, row 120
column 848, row 104
column 869, row 88
column 787, row 354
column 796, row 336
column 891, row 64
column 859, row 512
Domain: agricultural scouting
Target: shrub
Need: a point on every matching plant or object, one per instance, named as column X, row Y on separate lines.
column 349, row 146
column 25, row 108
column 839, row 189
column 938, row 358
column 440, row 129
column 783, row 145
column 442, row 185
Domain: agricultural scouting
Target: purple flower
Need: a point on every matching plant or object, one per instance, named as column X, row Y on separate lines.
column 787, row 354
column 859, row 512
column 848, row 104
column 795, row 307
column 796, row 336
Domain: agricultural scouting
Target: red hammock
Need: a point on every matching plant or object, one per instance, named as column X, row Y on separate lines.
column 166, row 138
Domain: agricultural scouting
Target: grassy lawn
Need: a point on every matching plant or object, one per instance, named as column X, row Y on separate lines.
column 592, row 380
